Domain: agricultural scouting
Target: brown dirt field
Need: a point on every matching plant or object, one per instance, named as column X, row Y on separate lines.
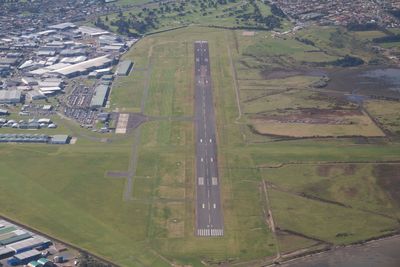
column 284, row 73
column 324, row 170
column 346, row 169
column 312, row 122
column 313, row 116
column 349, row 169
column 388, row 178
column 350, row 191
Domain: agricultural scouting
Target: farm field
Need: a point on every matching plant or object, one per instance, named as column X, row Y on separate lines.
column 386, row 113
column 350, row 184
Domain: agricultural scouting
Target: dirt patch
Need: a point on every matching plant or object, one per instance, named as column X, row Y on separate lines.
column 176, row 228
column 312, row 122
column 248, row 33
column 388, row 178
column 117, row 174
column 135, row 119
column 283, row 73
column 313, row 116
column 350, row 192
column 349, row 169
column 325, row 170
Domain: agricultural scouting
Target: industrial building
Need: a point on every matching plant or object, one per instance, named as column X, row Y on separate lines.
column 35, row 95
column 85, row 67
column 91, row 31
column 33, row 138
column 6, row 253
column 63, row 26
column 124, row 68
column 25, row 258
column 19, row 246
column 10, row 96
column 100, row 96
column 60, row 139
column 73, row 52
column 36, row 242
column 14, row 236
column 24, row 138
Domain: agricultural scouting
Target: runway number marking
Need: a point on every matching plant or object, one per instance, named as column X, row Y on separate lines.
column 201, row 180
column 214, row 181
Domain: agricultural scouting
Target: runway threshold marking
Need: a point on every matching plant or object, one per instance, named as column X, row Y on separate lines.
column 210, row 232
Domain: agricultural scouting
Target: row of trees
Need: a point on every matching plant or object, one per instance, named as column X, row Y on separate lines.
column 387, row 39
column 149, row 18
column 348, row 61
column 270, row 22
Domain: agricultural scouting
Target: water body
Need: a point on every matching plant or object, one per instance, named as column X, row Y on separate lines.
column 382, row 253
column 359, row 99
column 377, row 81
column 390, row 76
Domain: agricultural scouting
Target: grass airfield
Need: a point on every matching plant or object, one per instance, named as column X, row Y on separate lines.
column 64, row 190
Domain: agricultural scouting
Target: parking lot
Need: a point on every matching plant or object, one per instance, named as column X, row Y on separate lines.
column 77, row 106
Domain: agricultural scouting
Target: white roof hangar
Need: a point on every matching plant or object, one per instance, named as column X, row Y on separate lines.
column 63, row 26
column 91, row 31
column 85, row 66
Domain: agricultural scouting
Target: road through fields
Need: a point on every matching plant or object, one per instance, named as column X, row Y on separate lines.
column 209, row 219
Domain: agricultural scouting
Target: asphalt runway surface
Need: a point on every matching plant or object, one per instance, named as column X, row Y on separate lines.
column 209, row 219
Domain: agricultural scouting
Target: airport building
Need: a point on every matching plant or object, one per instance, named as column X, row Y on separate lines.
column 124, row 68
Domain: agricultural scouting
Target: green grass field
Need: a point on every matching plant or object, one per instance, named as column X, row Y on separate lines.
column 65, row 192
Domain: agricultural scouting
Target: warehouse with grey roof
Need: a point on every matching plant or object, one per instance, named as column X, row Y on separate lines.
column 124, row 68
column 100, row 96
column 10, row 96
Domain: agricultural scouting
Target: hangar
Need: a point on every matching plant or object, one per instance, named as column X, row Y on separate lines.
column 10, row 96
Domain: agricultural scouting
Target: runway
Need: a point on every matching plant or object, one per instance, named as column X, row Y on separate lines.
column 209, row 216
